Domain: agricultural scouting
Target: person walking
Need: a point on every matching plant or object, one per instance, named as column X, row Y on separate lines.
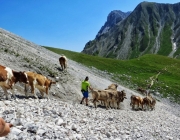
column 85, row 85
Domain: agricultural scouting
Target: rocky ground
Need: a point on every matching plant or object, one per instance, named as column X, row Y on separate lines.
column 62, row 117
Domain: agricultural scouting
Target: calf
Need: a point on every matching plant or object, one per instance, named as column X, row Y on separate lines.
column 63, row 62
column 136, row 101
column 9, row 77
column 40, row 82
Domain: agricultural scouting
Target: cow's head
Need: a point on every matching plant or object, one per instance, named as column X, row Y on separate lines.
column 122, row 95
column 49, row 83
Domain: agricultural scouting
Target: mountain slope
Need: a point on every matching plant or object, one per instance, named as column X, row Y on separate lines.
column 152, row 28
column 22, row 55
column 62, row 117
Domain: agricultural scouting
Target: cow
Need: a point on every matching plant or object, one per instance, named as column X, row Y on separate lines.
column 149, row 102
column 9, row 77
column 136, row 101
column 102, row 95
column 108, row 96
column 116, row 97
column 63, row 62
column 42, row 83
column 112, row 87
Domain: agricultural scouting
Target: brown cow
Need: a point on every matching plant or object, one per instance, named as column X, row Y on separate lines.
column 136, row 101
column 149, row 102
column 63, row 62
column 108, row 96
column 102, row 95
column 112, row 87
column 9, row 77
column 40, row 82
column 116, row 97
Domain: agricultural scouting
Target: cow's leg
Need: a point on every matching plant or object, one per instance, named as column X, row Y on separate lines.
column 115, row 104
column 26, row 89
column 149, row 104
column 47, row 93
column 112, row 103
column 61, row 67
column 94, row 101
column 142, row 106
column 95, row 104
column 32, row 91
column 35, row 95
column 42, row 93
column 132, row 107
column 118, row 105
column 5, row 91
column 106, row 103
column 13, row 93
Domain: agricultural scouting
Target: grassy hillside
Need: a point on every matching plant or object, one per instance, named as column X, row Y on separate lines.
column 136, row 72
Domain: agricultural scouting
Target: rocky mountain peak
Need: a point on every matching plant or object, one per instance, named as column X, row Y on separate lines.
column 113, row 18
column 151, row 28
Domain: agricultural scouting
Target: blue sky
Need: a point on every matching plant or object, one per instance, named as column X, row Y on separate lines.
column 65, row 24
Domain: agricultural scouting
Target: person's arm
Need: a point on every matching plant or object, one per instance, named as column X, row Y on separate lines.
column 4, row 127
column 90, row 87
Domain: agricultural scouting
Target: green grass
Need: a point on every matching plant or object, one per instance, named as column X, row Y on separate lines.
column 166, row 45
column 135, row 72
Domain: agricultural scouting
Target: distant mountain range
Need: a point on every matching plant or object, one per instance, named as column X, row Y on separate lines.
column 152, row 28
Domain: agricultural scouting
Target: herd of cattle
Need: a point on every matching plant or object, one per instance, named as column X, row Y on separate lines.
column 9, row 77
column 110, row 97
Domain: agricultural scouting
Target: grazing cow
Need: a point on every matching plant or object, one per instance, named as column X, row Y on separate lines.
column 136, row 101
column 63, row 62
column 9, row 77
column 40, row 82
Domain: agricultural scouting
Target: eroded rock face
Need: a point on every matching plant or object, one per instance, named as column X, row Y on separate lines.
column 54, row 119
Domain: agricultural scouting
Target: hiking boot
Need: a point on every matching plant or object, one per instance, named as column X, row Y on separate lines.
column 81, row 102
column 86, row 104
